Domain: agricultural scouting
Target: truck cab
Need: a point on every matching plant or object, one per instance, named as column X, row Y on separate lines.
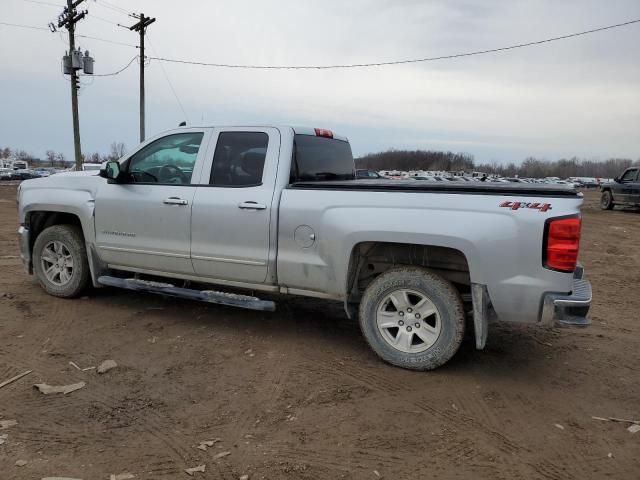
column 624, row 190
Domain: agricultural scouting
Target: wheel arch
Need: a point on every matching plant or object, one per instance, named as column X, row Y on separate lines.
column 38, row 219
column 370, row 259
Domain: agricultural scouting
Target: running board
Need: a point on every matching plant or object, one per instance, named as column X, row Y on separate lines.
column 222, row 298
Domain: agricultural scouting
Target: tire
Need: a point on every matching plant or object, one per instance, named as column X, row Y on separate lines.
column 422, row 340
column 61, row 243
column 606, row 201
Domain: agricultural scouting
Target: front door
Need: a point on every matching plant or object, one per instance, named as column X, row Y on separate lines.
column 635, row 189
column 231, row 215
column 145, row 222
column 628, row 185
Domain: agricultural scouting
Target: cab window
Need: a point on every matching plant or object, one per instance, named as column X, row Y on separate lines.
column 168, row 160
column 629, row 176
column 239, row 159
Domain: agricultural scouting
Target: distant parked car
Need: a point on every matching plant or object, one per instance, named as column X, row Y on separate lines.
column 5, row 173
column 624, row 190
column 91, row 166
column 367, row 174
column 24, row 175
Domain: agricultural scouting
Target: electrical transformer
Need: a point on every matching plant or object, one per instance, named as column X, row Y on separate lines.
column 66, row 64
column 87, row 63
column 76, row 59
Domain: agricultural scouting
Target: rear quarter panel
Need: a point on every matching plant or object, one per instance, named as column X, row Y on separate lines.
column 503, row 247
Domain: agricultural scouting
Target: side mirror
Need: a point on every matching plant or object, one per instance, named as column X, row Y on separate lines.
column 111, row 171
column 616, row 179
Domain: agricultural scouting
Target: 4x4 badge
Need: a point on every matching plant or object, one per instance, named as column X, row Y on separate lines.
column 542, row 207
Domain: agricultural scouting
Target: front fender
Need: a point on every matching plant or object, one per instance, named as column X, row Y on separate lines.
column 76, row 202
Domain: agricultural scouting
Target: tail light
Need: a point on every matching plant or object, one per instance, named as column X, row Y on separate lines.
column 323, row 132
column 562, row 243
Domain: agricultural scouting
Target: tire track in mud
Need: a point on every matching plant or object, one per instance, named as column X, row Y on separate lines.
column 275, row 379
column 464, row 422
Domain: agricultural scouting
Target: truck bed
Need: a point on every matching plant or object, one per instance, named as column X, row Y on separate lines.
column 475, row 188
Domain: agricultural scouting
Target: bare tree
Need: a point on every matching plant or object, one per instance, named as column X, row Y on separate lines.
column 118, row 149
column 51, row 157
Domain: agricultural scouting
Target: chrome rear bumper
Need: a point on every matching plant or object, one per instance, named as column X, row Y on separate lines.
column 569, row 310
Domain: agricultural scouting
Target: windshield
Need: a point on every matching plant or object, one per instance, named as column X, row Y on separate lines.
column 320, row 158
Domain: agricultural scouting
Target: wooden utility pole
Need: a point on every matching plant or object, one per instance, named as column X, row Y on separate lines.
column 140, row 27
column 68, row 19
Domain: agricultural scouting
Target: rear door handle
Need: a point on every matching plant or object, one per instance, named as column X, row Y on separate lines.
column 175, row 201
column 252, row 206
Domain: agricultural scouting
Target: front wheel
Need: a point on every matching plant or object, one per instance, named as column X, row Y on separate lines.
column 606, row 201
column 412, row 318
column 60, row 261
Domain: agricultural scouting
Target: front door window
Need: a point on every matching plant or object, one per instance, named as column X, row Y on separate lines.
column 168, row 160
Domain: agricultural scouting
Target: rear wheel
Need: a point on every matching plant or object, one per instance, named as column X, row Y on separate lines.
column 60, row 261
column 412, row 318
column 606, row 201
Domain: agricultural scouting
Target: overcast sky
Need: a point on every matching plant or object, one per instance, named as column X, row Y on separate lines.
column 579, row 96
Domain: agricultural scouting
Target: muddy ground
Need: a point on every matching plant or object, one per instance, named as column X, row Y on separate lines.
column 296, row 394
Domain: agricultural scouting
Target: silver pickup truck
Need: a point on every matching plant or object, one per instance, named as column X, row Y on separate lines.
column 278, row 209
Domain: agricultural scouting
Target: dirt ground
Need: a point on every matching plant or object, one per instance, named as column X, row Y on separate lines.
column 297, row 394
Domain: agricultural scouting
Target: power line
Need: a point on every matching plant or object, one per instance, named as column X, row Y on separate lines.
column 32, row 27
column 106, row 20
column 44, row 3
column 184, row 112
column 112, row 7
column 394, row 62
column 113, row 73
column 107, row 41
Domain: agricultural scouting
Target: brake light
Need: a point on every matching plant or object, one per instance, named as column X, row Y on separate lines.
column 562, row 242
column 323, row 132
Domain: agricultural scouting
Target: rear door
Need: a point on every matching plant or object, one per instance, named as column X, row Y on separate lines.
column 232, row 208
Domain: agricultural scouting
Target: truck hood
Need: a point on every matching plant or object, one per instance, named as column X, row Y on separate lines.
column 79, row 181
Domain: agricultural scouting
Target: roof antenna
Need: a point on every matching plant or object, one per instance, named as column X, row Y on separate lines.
column 182, row 124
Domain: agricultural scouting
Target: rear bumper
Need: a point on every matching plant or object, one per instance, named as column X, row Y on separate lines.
column 25, row 252
column 569, row 310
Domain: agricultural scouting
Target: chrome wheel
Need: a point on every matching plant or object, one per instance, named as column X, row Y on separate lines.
column 57, row 263
column 408, row 321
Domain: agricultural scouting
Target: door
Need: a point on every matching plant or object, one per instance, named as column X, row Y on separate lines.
column 635, row 189
column 232, row 208
column 145, row 222
column 628, row 184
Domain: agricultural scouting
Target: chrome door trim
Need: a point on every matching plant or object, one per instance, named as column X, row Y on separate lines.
column 228, row 260
column 147, row 252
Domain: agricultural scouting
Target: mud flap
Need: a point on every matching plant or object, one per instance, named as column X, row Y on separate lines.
column 480, row 298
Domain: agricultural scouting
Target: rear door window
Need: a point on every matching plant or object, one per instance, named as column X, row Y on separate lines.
column 239, row 159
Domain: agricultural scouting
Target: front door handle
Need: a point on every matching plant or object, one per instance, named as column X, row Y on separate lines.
column 252, row 206
column 175, row 201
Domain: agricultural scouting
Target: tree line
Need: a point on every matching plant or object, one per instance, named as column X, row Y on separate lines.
column 55, row 159
column 406, row 160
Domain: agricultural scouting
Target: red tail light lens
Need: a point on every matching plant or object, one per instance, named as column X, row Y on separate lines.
column 323, row 132
column 562, row 243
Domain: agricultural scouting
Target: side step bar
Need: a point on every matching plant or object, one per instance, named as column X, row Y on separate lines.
column 209, row 296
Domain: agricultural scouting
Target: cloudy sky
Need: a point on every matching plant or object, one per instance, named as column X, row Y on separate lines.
column 579, row 96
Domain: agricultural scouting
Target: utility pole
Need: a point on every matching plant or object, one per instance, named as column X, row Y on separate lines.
column 140, row 27
column 68, row 19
